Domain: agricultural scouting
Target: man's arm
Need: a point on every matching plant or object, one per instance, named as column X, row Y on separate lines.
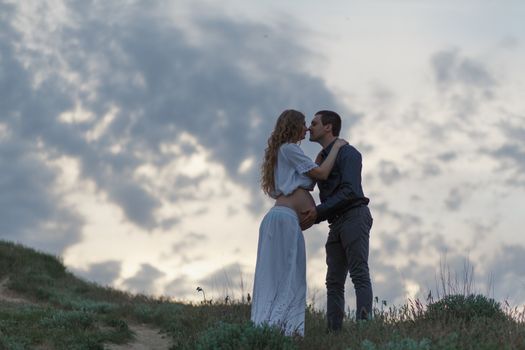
column 350, row 165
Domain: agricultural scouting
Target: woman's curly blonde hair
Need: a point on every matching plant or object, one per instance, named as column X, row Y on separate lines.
column 288, row 128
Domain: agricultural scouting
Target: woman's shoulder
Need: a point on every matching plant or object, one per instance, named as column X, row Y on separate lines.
column 290, row 147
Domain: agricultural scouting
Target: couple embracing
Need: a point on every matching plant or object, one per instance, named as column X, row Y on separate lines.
column 288, row 176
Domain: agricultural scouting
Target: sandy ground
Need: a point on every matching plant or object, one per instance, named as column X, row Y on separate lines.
column 146, row 338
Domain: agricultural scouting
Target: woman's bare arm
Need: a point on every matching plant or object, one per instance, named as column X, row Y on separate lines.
column 323, row 170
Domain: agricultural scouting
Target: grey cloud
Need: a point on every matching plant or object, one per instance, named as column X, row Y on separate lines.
column 190, row 181
column 180, row 288
column 31, row 212
column 515, row 130
column 406, row 221
column 441, row 245
column 196, row 236
column 315, row 239
column 431, row 169
column 387, row 282
column 189, row 187
column 136, row 202
column 189, row 240
column 511, row 157
column 442, row 63
column 184, row 249
column 481, row 230
column 144, row 280
column 390, row 243
column 507, row 267
column 409, row 242
column 31, row 113
column 502, row 276
column 231, row 211
column 364, row 147
column 161, row 82
column 474, row 73
column 415, row 198
column 509, row 42
column 459, row 194
column 451, row 68
column 512, row 153
column 227, row 281
column 447, row 156
column 465, row 84
column 103, row 273
column 389, row 172
column 168, row 224
column 454, row 199
column 436, row 131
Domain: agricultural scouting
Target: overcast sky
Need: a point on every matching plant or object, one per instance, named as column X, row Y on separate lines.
column 131, row 134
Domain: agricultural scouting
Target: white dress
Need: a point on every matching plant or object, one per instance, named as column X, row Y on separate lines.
column 279, row 291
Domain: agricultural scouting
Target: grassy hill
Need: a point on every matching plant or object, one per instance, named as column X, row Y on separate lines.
column 44, row 306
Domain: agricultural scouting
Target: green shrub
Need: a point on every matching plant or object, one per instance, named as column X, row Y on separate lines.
column 69, row 320
column 243, row 336
column 465, row 308
column 87, row 305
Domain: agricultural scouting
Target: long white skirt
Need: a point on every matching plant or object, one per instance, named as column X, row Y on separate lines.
column 279, row 291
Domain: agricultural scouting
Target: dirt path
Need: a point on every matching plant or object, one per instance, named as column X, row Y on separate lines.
column 146, row 338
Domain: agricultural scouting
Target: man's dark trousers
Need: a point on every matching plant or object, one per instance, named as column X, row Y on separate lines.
column 347, row 251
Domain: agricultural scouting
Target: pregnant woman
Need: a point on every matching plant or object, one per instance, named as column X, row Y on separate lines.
column 279, row 292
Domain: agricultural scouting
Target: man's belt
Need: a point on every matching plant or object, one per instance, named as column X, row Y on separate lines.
column 343, row 213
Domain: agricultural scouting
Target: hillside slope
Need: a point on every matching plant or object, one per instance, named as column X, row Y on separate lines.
column 43, row 306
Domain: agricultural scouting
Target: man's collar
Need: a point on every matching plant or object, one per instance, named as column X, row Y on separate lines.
column 328, row 148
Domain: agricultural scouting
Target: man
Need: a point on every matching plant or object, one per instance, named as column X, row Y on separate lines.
column 345, row 207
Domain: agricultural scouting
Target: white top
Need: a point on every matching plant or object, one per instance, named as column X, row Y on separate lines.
column 289, row 174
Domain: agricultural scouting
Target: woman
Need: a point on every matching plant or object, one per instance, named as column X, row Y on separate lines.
column 279, row 293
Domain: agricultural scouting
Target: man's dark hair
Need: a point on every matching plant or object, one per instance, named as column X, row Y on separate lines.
column 330, row 117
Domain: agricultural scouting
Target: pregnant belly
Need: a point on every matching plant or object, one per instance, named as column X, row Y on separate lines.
column 300, row 200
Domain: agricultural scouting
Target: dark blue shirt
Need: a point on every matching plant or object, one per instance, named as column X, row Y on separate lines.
column 342, row 190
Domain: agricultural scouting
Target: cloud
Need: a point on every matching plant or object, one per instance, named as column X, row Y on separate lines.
column 405, row 221
column 32, row 212
column 185, row 248
column 110, row 85
column 507, row 268
column 315, row 239
column 388, row 172
column 450, row 68
column 464, row 84
column 180, row 287
column 144, row 280
column 511, row 154
column 103, row 273
column 511, row 157
column 226, row 281
column 454, row 199
column 134, row 92
column 509, row 42
column 431, row 169
column 448, row 156
column 387, row 282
